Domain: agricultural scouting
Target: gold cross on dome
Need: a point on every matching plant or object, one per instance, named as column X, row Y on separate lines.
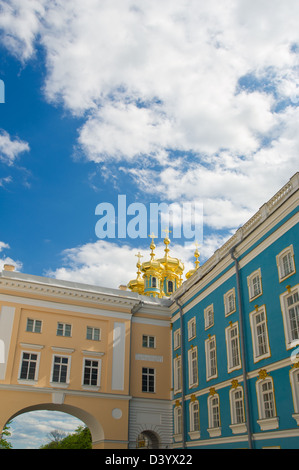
column 167, row 232
column 152, row 236
column 139, row 256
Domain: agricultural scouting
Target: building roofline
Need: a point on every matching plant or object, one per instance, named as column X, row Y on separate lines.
column 265, row 211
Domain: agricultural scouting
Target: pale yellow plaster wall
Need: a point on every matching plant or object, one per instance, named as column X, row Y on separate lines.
column 163, row 369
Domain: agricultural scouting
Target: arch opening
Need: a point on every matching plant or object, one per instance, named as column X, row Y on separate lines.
column 148, row 440
column 83, row 416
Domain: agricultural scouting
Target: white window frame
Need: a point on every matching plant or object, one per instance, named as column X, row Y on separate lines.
column 145, row 372
column 193, row 367
column 194, row 432
column 257, row 330
column 231, row 343
column 229, row 307
column 36, row 371
column 177, row 339
column 251, row 284
column 282, row 274
column 213, row 430
column 93, row 335
column 34, row 325
column 237, row 426
column 210, row 374
column 64, row 325
column 266, row 422
column 209, row 316
column 191, row 328
column 68, row 372
column 177, row 377
column 99, row 368
column 286, row 317
column 177, row 421
column 149, row 341
column 294, row 379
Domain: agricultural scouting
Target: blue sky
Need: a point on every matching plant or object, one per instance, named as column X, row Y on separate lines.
column 166, row 101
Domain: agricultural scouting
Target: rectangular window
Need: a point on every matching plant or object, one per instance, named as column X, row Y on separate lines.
column 34, row 326
column 254, row 282
column 293, row 315
column 191, row 328
column 285, row 263
column 193, row 368
column 148, row 379
column 177, row 374
column 260, row 339
column 233, row 347
column 28, row 366
column 211, row 358
column 91, row 372
column 229, row 302
column 209, row 316
column 290, row 310
column 60, row 369
column 148, row 341
column 177, row 339
column 93, row 333
column 64, row 329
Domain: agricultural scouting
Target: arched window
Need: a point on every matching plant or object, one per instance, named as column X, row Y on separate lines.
column 178, row 420
column 266, row 404
column 214, row 415
column 294, row 376
column 154, row 282
column 194, row 420
column 169, row 286
column 237, row 410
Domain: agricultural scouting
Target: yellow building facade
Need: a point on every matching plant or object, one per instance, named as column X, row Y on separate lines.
column 102, row 355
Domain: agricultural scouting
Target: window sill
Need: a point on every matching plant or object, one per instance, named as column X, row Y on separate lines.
column 194, row 434
column 268, row 423
column 27, row 382
column 214, row 432
column 296, row 418
column 59, row 385
column 238, row 428
column 92, row 388
column 177, row 437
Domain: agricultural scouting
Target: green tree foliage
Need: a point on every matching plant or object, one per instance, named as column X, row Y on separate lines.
column 80, row 439
column 5, row 433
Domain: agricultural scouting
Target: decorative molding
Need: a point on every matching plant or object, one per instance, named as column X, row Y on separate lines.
column 148, row 357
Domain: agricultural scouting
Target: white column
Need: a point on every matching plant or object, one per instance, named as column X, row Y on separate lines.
column 118, row 359
column 7, row 315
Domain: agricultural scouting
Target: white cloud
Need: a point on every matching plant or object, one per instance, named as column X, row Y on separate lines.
column 20, row 23
column 209, row 79
column 105, row 263
column 7, row 260
column 31, row 430
column 10, row 149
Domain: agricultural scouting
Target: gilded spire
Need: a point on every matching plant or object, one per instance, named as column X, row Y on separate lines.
column 166, row 241
column 196, row 255
column 139, row 256
column 152, row 246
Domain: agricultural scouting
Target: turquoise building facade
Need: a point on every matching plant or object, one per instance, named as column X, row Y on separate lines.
column 235, row 337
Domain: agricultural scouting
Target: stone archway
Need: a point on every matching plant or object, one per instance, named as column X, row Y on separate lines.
column 149, row 440
column 96, row 429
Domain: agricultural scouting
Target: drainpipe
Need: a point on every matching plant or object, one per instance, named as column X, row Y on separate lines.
column 182, row 374
column 243, row 347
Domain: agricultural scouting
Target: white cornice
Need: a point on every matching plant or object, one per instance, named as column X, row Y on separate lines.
column 64, row 307
column 22, row 284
